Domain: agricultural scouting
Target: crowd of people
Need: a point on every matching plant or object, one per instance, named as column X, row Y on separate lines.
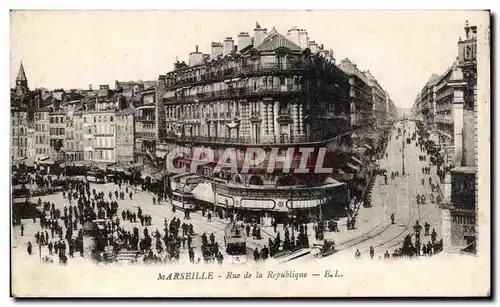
column 68, row 226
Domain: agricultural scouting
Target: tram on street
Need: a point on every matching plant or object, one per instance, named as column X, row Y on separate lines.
column 97, row 177
column 236, row 244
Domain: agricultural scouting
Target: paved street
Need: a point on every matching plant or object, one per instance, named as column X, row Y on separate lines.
column 157, row 212
column 374, row 226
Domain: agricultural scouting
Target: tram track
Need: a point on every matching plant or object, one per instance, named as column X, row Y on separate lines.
column 373, row 232
column 405, row 226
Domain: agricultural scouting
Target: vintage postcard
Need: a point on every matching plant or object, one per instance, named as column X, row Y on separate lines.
column 250, row 153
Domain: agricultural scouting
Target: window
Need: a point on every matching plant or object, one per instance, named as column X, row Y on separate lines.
column 282, row 81
column 51, row 120
column 95, row 120
column 111, row 118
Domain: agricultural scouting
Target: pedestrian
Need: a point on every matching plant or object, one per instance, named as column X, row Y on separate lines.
column 433, row 235
column 372, row 252
column 256, row 255
column 22, row 230
column 357, row 255
column 29, row 248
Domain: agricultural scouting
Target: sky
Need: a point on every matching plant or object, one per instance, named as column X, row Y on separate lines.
column 73, row 49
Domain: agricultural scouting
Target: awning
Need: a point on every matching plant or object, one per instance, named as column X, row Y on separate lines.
column 180, row 175
column 295, row 204
column 353, row 167
column 204, row 192
column 368, row 147
column 29, row 163
column 42, row 158
column 344, row 176
column 161, row 154
column 356, row 160
column 48, row 161
column 148, row 172
column 331, row 182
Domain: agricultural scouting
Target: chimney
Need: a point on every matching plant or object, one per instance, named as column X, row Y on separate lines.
column 293, row 35
column 258, row 36
column 303, row 39
column 216, row 50
column 332, row 56
column 195, row 58
column 228, row 46
column 313, row 46
column 244, row 40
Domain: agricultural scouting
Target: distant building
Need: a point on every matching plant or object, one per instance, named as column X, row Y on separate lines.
column 19, row 134
column 360, row 95
column 125, row 135
column 459, row 210
column 103, row 136
column 42, row 133
column 57, row 134
column 21, row 82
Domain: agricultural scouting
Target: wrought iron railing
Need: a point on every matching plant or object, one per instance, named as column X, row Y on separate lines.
column 234, row 72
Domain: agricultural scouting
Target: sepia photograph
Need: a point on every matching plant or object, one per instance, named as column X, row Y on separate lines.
column 249, row 153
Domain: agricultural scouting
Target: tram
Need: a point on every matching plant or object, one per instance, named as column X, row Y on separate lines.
column 236, row 244
column 97, row 177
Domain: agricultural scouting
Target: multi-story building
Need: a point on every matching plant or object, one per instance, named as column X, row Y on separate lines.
column 378, row 108
column 449, row 104
column 30, row 155
column 145, row 132
column 392, row 110
column 103, row 136
column 360, row 94
column 19, row 138
column 79, row 140
column 125, row 135
column 129, row 89
column 148, row 96
column 279, row 91
column 42, row 133
column 88, row 144
column 57, row 126
column 71, row 144
column 428, row 106
column 443, row 119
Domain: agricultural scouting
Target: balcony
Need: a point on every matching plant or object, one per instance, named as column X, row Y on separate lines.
column 248, row 70
column 239, row 92
column 144, row 118
column 443, row 119
column 336, row 116
column 268, row 140
column 255, row 116
column 443, row 94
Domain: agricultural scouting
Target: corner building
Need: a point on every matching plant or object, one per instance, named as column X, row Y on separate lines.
column 269, row 91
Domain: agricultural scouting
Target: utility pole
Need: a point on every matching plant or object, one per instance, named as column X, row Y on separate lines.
column 403, row 150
